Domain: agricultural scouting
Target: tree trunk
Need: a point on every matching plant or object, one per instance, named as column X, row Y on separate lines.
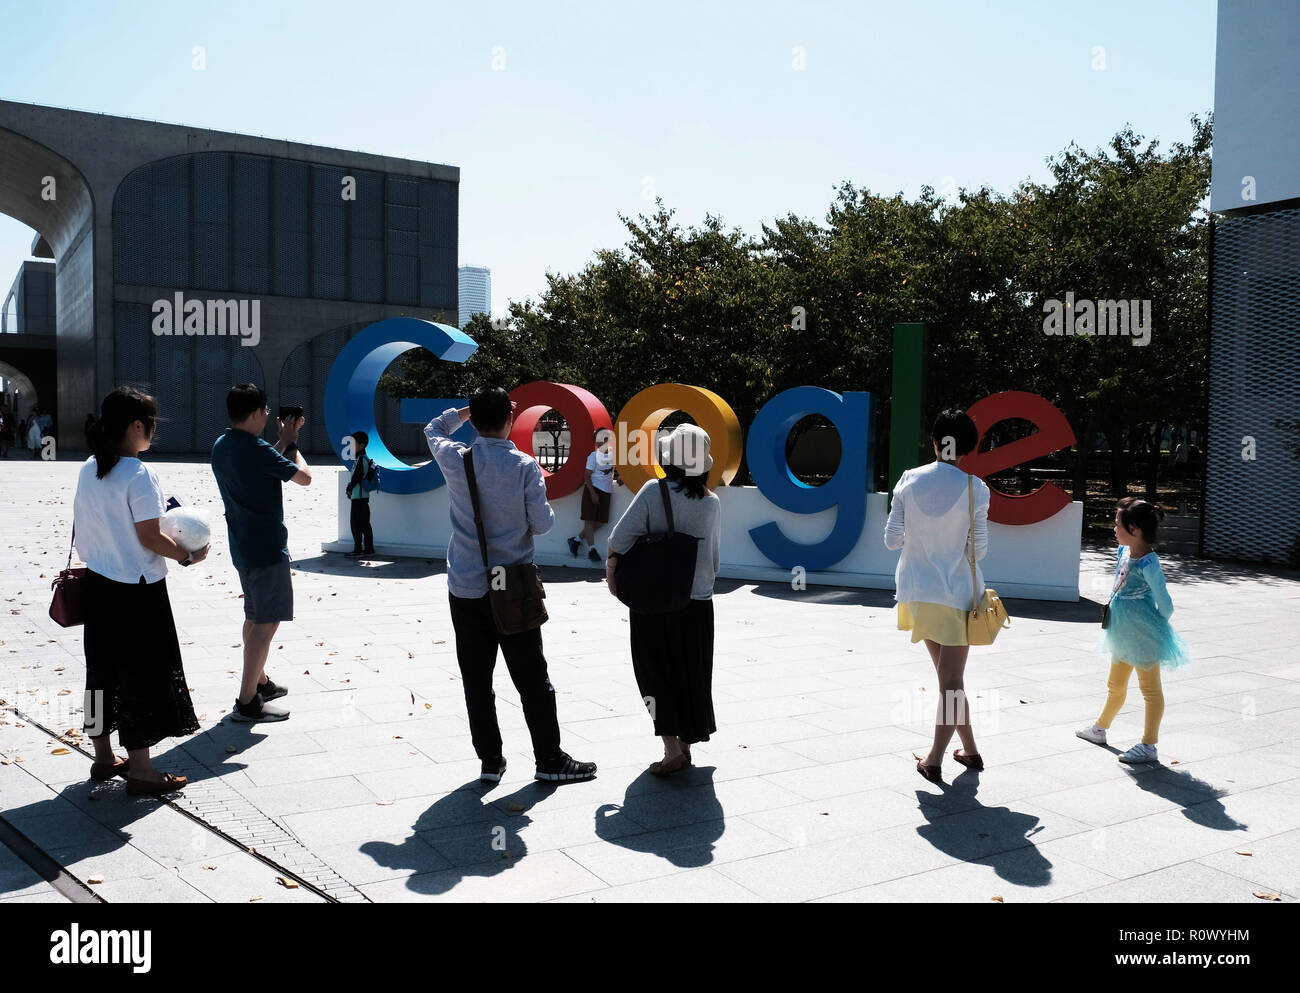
column 1153, row 470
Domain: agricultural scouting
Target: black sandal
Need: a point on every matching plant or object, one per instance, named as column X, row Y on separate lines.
column 969, row 761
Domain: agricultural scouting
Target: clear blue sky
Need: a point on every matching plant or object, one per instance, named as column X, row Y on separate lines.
column 595, row 97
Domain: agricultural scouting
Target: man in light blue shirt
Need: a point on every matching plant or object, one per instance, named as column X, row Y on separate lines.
column 512, row 498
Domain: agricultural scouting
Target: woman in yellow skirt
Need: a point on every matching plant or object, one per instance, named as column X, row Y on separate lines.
column 930, row 520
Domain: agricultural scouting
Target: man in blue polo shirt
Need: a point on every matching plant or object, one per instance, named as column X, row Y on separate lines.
column 250, row 474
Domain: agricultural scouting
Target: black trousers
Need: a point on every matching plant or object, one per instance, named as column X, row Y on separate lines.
column 362, row 534
column 477, row 640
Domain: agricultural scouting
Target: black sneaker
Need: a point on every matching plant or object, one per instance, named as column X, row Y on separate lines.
column 270, row 690
column 565, row 769
column 256, row 711
column 594, row 555
column 493, row 770
column 575, row 546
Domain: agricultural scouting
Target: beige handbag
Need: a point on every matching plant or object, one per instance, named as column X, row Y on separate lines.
column 989, row 615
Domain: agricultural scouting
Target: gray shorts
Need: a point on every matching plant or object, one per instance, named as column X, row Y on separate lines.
column 268, row 592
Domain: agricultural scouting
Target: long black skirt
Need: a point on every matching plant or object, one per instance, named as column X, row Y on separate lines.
column 135, row 683
column 672, row 657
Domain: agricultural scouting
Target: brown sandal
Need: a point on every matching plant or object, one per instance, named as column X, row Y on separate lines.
column 969, row 761
column 932, row 773
column 102, row 772
column 667, row 768
column 145, row 787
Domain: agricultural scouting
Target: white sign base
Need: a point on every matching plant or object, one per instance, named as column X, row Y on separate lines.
column 1034, row 561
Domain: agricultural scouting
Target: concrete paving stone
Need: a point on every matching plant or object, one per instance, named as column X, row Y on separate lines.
column 532, row 831
column 863, row 744
column 17, row 878
column 1021, row 876
column 813, row 871
column 432, row 780
column 817, row 782
column 692, row 886
column 637, row 857
column 1187, row 882
column 46, row 895
column 834, row 817
column 1142, row 845
column 1101, row 803
column 319, row 794
column 685, row 803
column 122, row 862
column 357, row 823
column 531, row 878
column 238, row 877
column 375, row 758
column 377, row 860
column 1273, row 865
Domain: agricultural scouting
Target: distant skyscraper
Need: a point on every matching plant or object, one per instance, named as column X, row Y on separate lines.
column 475, row 288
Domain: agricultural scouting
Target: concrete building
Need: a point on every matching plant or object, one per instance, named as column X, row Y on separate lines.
column 475, row 291
column 155, row 227
column 1252, row 498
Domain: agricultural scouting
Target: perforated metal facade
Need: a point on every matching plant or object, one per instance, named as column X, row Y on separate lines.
column 1252, row 505
column 190, row 376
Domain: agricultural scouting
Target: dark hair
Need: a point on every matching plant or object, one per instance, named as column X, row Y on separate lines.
column 361, row 438
column 120, row 409
column 489, row 408
column 243, row 400
column 957, row 425
column 693, row 486
column 1146, row 517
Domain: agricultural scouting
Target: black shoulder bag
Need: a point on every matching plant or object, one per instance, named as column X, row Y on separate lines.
column 656, row 574
column 515, row 591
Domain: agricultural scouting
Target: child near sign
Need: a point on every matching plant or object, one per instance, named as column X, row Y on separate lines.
column 1135, row 629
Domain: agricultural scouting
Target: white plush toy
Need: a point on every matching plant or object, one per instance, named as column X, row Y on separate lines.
column 188, row 527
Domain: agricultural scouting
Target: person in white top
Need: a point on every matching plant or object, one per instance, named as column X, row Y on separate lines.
column 930, row 520
column 135, row 682
column 597, row 488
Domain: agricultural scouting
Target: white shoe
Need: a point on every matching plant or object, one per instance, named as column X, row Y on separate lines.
column 1092, row 733
column 1139, row 754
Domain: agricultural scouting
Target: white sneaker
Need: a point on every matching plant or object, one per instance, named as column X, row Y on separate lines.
column 1139, row 754
column 1092, row 733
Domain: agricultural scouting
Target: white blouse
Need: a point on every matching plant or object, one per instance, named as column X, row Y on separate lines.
column 930, row 521
column 105, row 513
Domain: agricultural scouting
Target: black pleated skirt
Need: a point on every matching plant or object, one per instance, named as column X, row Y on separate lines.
column 135, row 683
column 672, row 657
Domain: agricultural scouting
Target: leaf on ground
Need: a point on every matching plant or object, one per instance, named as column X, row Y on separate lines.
column 254, row 899
column 1241, row 851
column 516, row 808
column 1266, row 895
column 288, row 884
column 95, row 880
column 209, row 865
column 996, row 899
column 383, row 803
column 428, row 706
column 61, row 751
column 231, row 749
column 1174, row 762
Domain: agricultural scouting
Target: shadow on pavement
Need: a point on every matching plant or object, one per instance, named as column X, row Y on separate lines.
column 477, row 836
column 688, row 804
column 996, row 836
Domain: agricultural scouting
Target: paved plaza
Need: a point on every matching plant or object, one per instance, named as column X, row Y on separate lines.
column 808, row 791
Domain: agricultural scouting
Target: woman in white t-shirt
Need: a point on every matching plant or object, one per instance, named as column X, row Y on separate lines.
column 930, row 520
column 596, row 489
column 134, row 679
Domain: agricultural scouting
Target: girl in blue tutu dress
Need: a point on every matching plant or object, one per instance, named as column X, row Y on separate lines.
column 1138, row 634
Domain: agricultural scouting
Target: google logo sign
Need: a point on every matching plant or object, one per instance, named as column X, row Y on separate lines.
column 354, row 378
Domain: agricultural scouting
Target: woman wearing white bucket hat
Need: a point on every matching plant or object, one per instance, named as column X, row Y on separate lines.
column 672, row 652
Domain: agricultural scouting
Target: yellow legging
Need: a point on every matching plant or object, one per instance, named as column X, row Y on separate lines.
column 1117, row 689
